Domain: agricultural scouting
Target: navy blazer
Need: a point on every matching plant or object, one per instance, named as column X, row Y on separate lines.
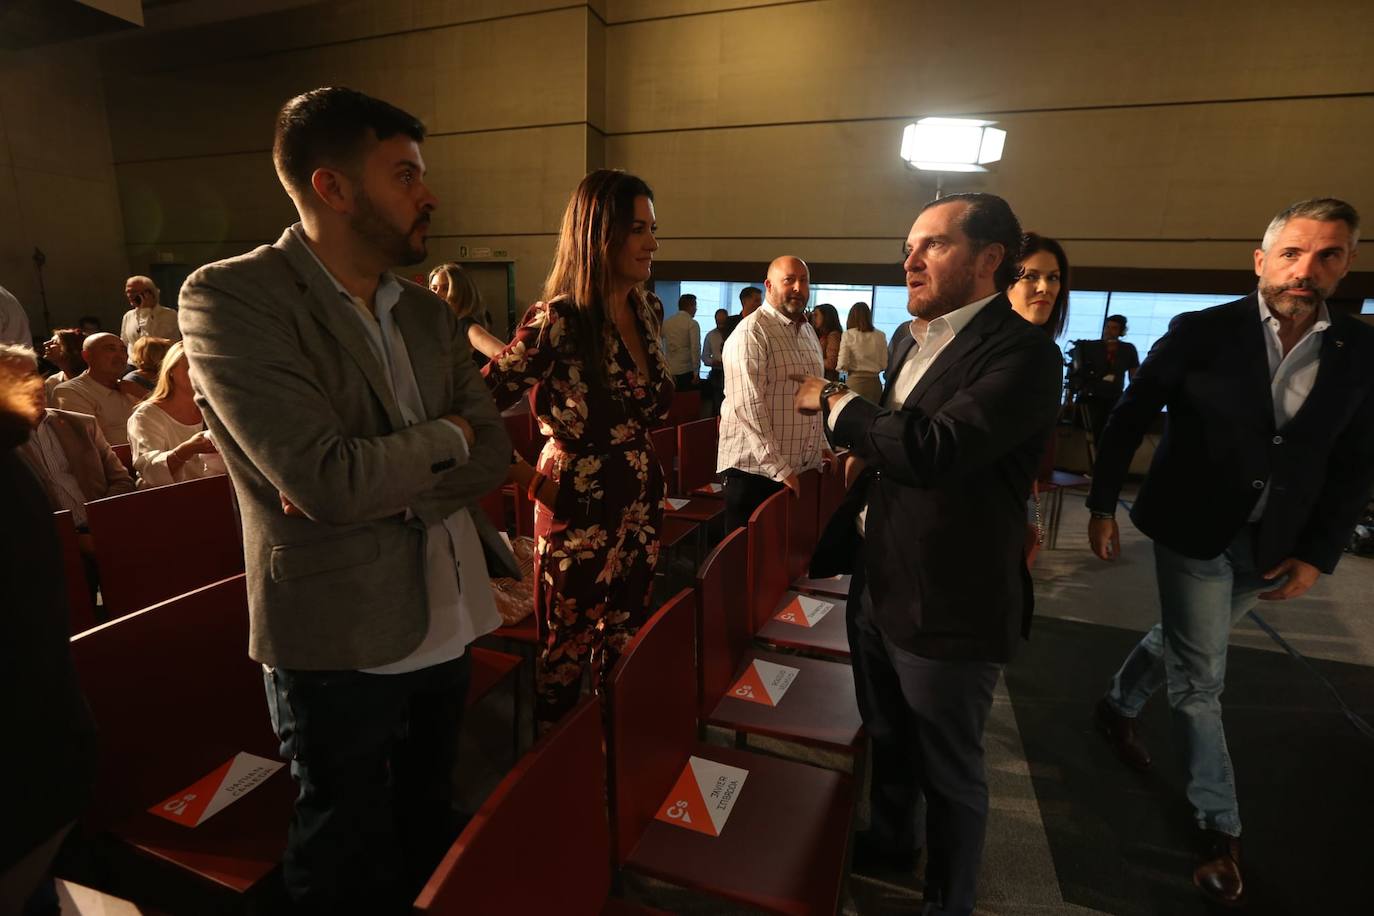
column 1220, row 443
column 946, row 484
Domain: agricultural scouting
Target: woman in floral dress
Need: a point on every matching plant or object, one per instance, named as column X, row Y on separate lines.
column 590, row 352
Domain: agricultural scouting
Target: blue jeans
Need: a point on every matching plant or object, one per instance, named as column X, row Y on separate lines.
column 373, row 755
column 1200, row 601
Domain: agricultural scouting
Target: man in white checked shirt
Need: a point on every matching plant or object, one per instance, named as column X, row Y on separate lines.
column 765, row 444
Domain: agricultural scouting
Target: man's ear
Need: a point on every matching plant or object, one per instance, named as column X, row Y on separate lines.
column 990, row 258
column 332, row 188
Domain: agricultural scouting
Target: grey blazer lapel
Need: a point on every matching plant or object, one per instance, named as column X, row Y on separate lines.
column 418, row 330
column 323, row 300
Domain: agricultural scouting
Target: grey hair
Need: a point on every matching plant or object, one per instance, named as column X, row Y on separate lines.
column 18, row 353
column 148, row 281
column 1323, row 209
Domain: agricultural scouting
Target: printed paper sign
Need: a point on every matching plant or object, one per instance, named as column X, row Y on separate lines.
column 212, row 794
column 703, row 797
column 804, row 611
column 716, row 487
column 764, row 682
column 676, row 504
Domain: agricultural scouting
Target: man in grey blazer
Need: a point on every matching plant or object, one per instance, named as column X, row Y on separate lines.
column 358, row 436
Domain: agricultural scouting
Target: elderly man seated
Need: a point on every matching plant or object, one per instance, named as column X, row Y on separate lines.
column 67, row 451
column 96, row 391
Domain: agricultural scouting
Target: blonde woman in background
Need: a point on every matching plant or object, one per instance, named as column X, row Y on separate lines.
column 455, row 286
column 863, row 353
column 167, row 434
column 146, row 357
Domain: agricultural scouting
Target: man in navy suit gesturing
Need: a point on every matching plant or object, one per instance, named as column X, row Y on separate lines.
column 1267, row 458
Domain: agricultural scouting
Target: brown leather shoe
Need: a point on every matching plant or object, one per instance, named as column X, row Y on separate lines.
column 1218, row 872
column 1121, row 734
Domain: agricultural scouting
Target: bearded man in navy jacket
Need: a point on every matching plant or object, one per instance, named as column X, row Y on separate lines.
column 1266, row 460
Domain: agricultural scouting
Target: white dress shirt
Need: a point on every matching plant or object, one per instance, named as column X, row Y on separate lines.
column 713, row 350
column 158, row 321
column 682, row 343
column 110, row 406
column 1291, row 376
column 863, row 351
column 14, row 321
column 461, row 606
column 761, row 431
column 928, row 342
column 153, row 434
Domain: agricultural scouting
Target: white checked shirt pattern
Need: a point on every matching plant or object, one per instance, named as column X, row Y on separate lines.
column 761, row 431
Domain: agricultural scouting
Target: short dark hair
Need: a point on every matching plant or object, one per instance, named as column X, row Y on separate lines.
column 686, row 298
column 989, row 220
column 749, row 292
column 1033, row 243
column 333, row 126
column 1119, row 319
column 725, row 312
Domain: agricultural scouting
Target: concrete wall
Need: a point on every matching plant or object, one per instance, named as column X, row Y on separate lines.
column 57, row 187
column 1155, row 136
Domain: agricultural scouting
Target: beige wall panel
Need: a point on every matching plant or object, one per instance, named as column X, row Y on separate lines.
column 504, row 183
column 504, row 73
column 532, row 256
column 76, row 222
column 618, row 11
column 53, row 109
column 206, row 200
column 311, row 25
column 1213, row 172
column 878, row 58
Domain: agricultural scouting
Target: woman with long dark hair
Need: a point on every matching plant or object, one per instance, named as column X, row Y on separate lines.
column 826, row 322
column 63, row 350
column 590, row 352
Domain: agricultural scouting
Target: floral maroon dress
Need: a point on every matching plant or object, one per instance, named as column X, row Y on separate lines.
column 595, row 552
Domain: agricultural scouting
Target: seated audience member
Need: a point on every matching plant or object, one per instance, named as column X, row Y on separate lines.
column 167, row 433
column 49, row 781
column 14, row 321
column 146, row 356
column 69, row 453
column 146, row 316
column 96, row 391
column 63, row 350
column 863, row 353
column 451, row 283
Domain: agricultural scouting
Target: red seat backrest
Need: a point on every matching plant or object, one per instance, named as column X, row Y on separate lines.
column 494, row 505
column 524, row 513
column 174, row 695
column 686, row 407
column 80, row 608
column 549, row 813
column 801, row 524
column 724, row 631
column 153, row 544
column 125, row 454
column 664, row 443
column 653, row 700
column 697, row 444
column 832, row 491
column 768, row 566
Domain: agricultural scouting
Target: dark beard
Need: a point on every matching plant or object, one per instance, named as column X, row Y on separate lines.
column 955, row 296
column 399, row 250
column 1276, row 297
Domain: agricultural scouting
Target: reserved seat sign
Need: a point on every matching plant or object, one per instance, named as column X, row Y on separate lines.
column 228, row 783
column 804, row 611
column 764, row 683
column 704, row 796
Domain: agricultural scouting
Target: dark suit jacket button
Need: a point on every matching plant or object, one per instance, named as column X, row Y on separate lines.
column 1257, row 484
column 442, row 466
column 1277, row 440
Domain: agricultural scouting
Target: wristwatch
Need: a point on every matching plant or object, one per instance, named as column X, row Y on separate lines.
column 830, row 388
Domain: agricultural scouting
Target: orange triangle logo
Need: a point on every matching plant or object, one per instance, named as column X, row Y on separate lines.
column 750, row 687
column 794, row 613
column 188, row 805
column 685, row 807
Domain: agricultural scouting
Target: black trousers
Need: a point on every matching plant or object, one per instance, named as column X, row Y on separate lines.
column 686, row 381
column 373, row 755
column 745, row 492
column 925, row 718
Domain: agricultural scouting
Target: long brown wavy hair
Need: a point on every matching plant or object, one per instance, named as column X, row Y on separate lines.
column 596, row 223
